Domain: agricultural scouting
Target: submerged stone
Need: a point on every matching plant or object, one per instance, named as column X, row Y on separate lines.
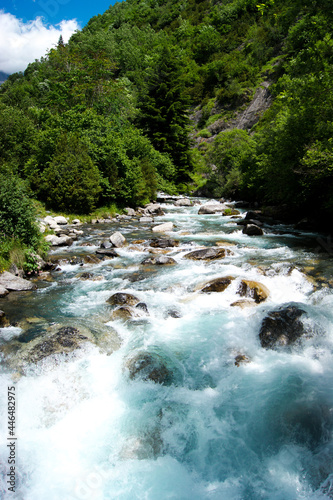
column 282, row 327
column 149, row 366
column 164, row 243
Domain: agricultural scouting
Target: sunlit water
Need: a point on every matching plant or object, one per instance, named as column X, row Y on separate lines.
column 260, row 430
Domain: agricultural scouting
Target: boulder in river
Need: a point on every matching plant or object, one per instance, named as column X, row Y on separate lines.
column 149, row 366
column 3, row 291
column 122, row 299
column 208, row 254
column 160, row 260
column 146, row 219
column 254, row 290
column 183, row 202
column 14, row 283
column 252, row 230
column 282, row 327
column 164, row 243
column 211, row 208
column 108, row 252
column 58, row 241
column 124, row 312
column 60, row 220
column 117, row 239
column 162, row 228
column 217, row 285
column 154, row 209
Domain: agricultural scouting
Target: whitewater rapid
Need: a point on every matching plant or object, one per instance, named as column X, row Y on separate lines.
column 258, row 431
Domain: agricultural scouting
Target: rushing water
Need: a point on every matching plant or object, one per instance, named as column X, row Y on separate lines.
column 260, row 430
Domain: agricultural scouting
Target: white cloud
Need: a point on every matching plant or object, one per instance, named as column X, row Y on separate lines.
column 21, row 43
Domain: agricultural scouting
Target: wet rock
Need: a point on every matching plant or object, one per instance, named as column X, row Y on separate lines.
column 254, row 290
column 162, row 228
column 123, row 312
column 243, row 303
column 183, row 202
column 3, row 320
column 65, row 340
column 118, row 240
column 159, row 260
column 108, row 252
column 240, row 359
column 14, row 283
column 173, row 313
column 85, row 276
column 208, row 254
column 252, row 230
column 211, row 209
column 282, row 327
column 149, row 367
column 164, row 243
column 76, row 222
column 121, row 298
column 217, row 285
column 91, row 259
column 143, row 307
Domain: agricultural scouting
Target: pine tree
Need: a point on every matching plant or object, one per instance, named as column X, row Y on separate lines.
column 163, row 114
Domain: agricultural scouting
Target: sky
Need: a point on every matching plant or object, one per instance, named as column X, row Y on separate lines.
column 29, row 28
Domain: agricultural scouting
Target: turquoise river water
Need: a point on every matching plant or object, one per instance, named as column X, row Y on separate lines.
column 262, row 430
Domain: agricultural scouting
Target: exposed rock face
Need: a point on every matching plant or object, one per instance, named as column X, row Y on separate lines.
column 164, row 243
column 208, row 254
column 253, row 289
column 159, row 260
column 217, row 285
column 149, row 367
column 118, row 240
column 121, row 299
column 211, row 209
column 252, row 230
column 11, row 282
column 282, row 327
column 162, row 228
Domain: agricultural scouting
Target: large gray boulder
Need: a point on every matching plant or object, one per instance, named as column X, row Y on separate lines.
column 118, row 240
column 122, row 299
column 154, row 209
column 14, row 283
column 183, row 202
column 211, row 208
column 162, row 228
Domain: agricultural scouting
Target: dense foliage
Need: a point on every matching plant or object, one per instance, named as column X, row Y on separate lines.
column 108, row 113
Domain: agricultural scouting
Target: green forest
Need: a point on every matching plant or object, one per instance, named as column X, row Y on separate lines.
column 146, row 97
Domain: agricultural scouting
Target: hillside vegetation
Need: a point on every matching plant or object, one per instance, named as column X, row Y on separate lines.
column 147, row 97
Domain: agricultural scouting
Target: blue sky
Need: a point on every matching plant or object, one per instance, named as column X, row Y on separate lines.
column 28, row 28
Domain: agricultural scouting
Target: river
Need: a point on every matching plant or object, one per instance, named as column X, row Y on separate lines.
column 202, row 426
